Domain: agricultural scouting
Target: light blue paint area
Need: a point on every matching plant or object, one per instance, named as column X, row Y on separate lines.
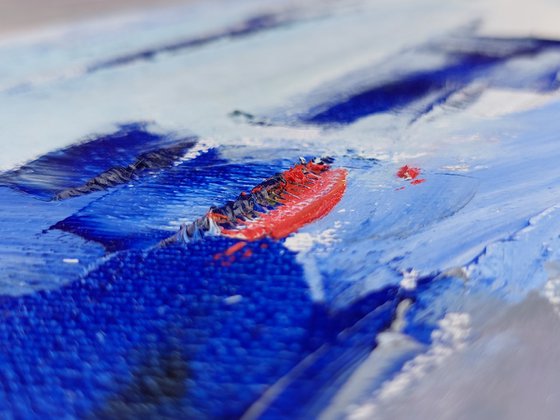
column 32, row 258
column 62, row 53
column 517, row 265
column 377, row 215
column 504, row 193
column 515, row 185
column 496, row 223
column 491, row 244
column 197, row 88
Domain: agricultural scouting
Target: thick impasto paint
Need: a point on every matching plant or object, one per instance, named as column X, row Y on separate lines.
column 280, row 210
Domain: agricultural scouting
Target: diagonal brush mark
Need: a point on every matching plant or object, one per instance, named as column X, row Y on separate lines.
column 99, row 163
column 155, row 160
column 251, row 26
column 417, row 91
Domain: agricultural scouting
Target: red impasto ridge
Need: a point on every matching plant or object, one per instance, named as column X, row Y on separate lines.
column 275, row 208
column 303, row 204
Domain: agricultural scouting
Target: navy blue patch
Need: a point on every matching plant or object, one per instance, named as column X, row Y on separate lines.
column 466, row 60
column 99, row 163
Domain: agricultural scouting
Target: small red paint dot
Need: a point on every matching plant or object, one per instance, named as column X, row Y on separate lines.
column 408, row 172
column 418, row 181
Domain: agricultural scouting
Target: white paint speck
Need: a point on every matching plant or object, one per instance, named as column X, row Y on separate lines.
column 232, row 300
column 409, row 280
column 451, row 336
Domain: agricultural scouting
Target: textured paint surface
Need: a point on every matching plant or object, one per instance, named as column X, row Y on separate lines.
column 414, row 274
column 282, row 204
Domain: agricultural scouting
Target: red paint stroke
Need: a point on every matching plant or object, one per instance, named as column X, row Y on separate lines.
column 308, row 197
column 228, row 258
column 234, row 248
column 411, row 174
column 408, row 172
column 275, row 208
column 229, row 253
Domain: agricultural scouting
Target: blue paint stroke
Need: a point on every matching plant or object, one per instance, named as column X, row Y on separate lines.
column 464, row 61
column 251, row 26
column 98, row 164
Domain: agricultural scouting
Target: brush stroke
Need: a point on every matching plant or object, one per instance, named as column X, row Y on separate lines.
column 397, row 90
column 276, row 207
column 98, row 164
column 123, row 332
column 251, row 26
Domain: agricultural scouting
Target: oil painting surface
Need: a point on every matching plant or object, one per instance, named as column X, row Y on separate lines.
column 341, row 209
